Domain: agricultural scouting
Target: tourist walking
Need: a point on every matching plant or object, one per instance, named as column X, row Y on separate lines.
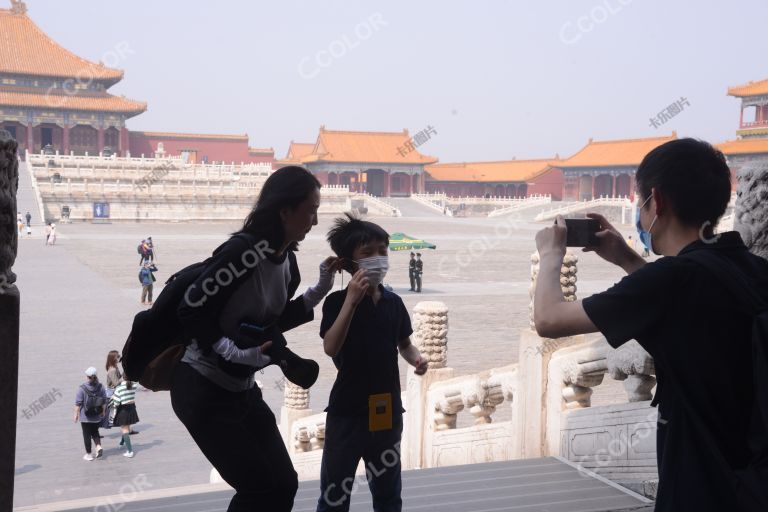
column 364, row 327
column 90, row 409
column 124, row 401
column 412, row 272
column 47, row 232
column 145, row 249
column 213, row 391
column 419, row 271
column 687, row 311
column 114, row 378
column 150, row 249
column 114, row 375
column 52, row 235
column 29, row 219
column 147, row 280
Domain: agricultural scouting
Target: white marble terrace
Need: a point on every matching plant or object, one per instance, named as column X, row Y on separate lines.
column 548, row 392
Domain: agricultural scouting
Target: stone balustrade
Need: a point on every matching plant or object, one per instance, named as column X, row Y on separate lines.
column 548, row 393
column 478, row 394
column 309, row 433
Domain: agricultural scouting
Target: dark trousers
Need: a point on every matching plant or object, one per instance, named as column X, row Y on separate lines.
column 238, row 434
column 347, row 440
column 412, row 277
column 90, row 431
column 146, row 293
column 418, row 281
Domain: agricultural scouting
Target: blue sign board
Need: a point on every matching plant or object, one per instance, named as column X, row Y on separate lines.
column 100, row 210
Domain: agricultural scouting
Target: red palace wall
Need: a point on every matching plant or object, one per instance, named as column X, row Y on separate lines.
column 550, row 183
column 208, row 149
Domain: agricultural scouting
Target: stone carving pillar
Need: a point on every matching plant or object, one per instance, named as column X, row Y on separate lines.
column 430, row 336
column 751, row 212
column 430, row 332
column 529, row 408
column 9, row 316
column 295, row 406
column 632, row 364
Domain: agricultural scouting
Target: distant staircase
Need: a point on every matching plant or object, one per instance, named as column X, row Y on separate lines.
column 28, row 196
column 570, row 208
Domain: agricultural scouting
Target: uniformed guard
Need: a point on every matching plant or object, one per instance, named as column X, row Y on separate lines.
column 412, row 272
column 418, row 271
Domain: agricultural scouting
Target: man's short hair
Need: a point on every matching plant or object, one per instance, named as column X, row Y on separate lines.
column 692, row 175
column 348, row 233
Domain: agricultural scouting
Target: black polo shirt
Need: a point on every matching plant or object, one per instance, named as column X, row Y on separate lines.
column 700, row 340
column 367, row 362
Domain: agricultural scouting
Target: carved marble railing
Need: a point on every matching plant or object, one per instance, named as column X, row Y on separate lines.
column 616, row 441
column 539, row 406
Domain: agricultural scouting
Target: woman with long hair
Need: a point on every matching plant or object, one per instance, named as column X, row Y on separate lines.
column 114, row 375
column 247, row 289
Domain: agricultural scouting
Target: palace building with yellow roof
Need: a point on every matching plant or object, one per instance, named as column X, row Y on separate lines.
column 52, row 99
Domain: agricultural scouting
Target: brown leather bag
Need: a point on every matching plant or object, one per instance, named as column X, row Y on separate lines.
column 159, row 372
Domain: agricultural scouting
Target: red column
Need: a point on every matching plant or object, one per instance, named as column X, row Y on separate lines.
column 613, row 179
column 31, row 137
column 100, row 140
column 594, row 187
column 410, row 184
column 741, row 118
column 123, row 144
column 632, row 187
column 65, row 140
column 387, row 184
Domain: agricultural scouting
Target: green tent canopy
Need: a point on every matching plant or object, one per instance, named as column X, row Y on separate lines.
column 403, row 242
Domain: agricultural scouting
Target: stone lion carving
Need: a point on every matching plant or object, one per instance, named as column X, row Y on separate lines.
column 751, row 215
column 9, row 184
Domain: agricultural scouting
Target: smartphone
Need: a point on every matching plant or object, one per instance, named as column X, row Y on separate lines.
column 250, row 335
column 582, row 232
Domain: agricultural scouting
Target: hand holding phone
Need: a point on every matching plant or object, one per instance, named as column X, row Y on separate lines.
column 582, row 232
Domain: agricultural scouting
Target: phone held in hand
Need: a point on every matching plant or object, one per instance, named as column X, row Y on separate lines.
column 582, row 232
column 251, row 335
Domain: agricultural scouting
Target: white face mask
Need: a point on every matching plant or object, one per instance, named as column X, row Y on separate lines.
column 375, row 268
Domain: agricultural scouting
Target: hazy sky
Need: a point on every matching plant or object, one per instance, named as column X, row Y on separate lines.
column 496, row 79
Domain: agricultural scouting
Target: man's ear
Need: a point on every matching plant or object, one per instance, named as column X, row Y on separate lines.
column 659, row 200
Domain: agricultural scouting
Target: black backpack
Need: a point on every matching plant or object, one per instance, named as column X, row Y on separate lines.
column 93, row 403
column 140, row 249
column 748, row 484
column 157, row 331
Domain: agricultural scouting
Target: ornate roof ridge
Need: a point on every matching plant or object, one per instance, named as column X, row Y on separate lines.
column 22, row 28
column 323, row 129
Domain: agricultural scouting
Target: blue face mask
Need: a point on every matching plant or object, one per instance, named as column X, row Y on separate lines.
column 646, row 238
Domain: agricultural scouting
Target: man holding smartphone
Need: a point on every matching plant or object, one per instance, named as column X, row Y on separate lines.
column 710, row 441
